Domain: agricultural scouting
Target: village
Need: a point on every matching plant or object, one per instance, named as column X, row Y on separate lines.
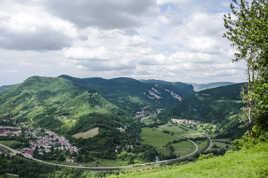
column 9, row 131
column 184, row 122
column 40, row 141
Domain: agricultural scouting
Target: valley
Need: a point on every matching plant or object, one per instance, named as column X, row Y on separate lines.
column 130, row 122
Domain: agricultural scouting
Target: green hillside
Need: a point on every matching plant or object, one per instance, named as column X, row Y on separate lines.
column 246, row 163
column 53, row 103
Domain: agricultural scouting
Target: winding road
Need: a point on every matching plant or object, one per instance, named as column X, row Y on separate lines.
column 104, row 168
column 209, row 144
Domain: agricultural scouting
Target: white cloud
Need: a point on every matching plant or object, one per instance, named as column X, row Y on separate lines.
column 160, row 2
column 85, row 53
column 173, row 40
column 164, row 20
column 106, row 14
column 30, row 28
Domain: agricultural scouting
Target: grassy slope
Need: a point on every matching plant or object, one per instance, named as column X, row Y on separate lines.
column 251, row 163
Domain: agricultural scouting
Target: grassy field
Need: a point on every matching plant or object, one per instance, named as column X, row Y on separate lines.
column 88, row 134
column 251, row 163
column 180, row 131
column 155, row 137
column 183, row 148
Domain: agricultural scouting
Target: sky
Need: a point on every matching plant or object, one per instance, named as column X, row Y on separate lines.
column 173, row 40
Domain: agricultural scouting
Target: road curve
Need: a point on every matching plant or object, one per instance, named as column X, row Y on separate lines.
column 209, row 144
column 104, row 168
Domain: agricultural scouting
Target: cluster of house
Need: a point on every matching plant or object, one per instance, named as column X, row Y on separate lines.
column 46, row 141
column 184, row 122
column 9, row 131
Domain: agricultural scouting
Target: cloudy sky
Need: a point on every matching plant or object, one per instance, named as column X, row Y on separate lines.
column 174, row 40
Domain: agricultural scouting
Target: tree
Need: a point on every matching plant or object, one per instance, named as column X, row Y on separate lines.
column 247, row 29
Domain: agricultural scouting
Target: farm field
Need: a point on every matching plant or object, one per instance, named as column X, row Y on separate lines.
column 88, row 134
column 165, row 134
column 155, row 137
column 183, row 148
column 180, row 131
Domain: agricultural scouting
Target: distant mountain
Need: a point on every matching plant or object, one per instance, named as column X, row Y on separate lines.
column 200, row 87
column 5, row 87
column 133, row 95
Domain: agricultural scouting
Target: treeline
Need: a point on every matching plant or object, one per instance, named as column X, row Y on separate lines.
column 24, row 168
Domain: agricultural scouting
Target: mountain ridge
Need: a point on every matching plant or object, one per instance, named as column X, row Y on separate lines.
column 125, row 111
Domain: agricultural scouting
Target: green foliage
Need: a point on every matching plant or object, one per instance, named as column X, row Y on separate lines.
column 24, row 168
column 205, row 156
column 247, row 29
column 246, row 141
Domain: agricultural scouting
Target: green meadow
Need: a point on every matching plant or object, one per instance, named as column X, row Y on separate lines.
column 246, row 163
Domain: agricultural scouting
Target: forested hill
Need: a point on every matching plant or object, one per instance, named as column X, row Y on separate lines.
column 133, row 95
column 221, row 106
column 5, row 87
